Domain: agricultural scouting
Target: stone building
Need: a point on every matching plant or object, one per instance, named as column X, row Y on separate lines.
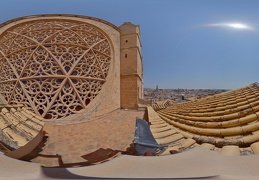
column 66, row 69
column 58, row 65
column 71, row 87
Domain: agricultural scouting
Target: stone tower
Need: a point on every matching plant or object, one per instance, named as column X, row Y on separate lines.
column 131, row 66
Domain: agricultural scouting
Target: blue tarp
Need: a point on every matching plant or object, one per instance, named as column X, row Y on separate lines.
column 144, row 141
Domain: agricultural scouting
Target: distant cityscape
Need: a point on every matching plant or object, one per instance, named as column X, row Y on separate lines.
column 178, row 95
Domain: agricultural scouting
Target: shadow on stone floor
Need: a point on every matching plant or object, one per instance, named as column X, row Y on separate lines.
column 61, row 173
column 99, row 156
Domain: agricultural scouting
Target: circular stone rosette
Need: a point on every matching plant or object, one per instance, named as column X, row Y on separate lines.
column 55, row 67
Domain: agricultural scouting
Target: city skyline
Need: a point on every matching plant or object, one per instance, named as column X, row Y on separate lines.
column 186, row 44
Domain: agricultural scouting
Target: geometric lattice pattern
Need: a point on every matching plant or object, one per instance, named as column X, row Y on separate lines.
column 54, row 67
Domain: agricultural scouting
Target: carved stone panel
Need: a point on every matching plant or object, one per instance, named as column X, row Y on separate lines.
column 55, row 67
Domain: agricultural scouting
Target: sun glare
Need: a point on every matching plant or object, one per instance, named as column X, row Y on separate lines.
column 239, row 26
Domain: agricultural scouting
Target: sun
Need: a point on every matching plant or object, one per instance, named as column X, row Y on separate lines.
column 238, row 26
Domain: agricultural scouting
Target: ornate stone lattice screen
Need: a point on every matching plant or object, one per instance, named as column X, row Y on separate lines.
column 55, row 67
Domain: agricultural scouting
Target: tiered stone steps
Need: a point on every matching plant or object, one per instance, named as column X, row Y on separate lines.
column 18, row 126
column 161, row 104
column 226, row 122
column 165, row 134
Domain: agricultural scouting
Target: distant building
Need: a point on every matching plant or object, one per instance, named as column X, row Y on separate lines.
column 156, row 87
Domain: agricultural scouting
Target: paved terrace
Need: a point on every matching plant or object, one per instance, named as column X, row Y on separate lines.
column 86, row 142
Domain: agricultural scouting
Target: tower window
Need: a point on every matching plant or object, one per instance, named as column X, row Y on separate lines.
column 126, row 55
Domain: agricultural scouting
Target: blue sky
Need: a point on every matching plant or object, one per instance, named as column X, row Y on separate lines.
column 179, row 50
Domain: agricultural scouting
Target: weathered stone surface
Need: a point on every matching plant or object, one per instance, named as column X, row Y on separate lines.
column 71, row 141
column 255, row 147
column 230, row 151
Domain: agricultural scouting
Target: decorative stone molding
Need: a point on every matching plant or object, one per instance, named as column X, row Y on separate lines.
column 54, row 66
